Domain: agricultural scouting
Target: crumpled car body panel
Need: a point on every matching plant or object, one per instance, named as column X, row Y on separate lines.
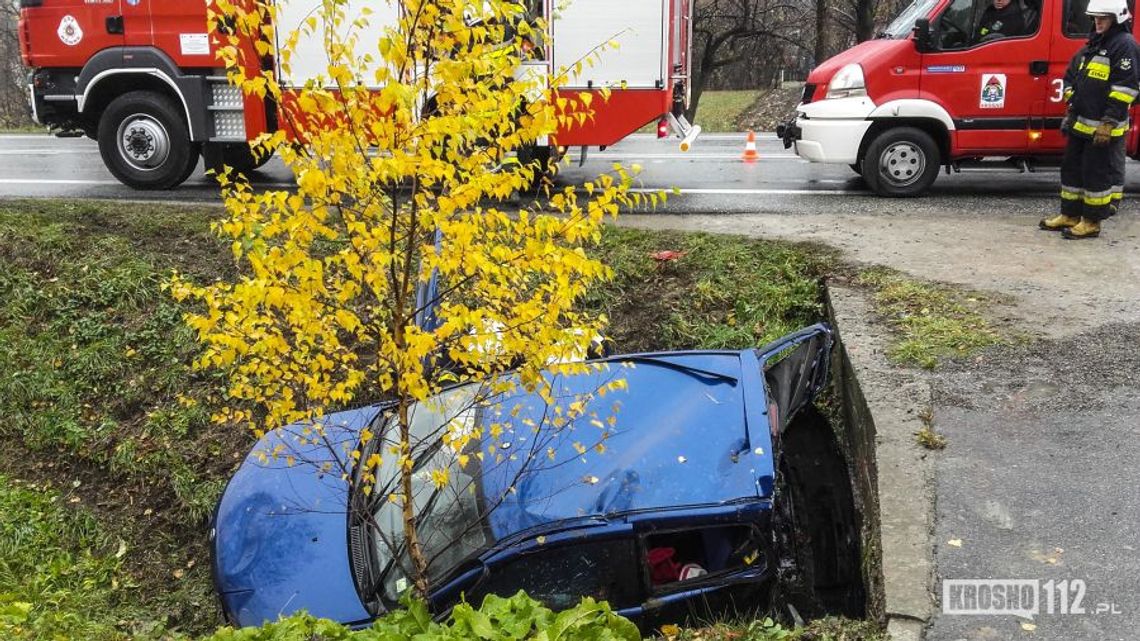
column 691, row 443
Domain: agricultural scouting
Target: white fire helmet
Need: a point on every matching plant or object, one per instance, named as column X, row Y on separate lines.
column 1116, row 8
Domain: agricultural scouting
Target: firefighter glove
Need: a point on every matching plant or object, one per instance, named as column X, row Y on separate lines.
column 1102, row 134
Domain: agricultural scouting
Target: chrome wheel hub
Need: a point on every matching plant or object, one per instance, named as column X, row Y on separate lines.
column 902, row 163
column 143, row 142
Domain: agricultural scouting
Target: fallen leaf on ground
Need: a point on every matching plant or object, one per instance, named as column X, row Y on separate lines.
column 667, row 255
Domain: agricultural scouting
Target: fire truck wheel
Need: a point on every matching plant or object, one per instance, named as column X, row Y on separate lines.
column 901, row 162
column 238, row 156
column 542, row 155
column 145, row 142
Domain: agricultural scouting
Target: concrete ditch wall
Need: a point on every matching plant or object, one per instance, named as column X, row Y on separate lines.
column 880, row 405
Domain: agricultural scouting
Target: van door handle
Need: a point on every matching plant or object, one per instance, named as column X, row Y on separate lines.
column 115, row 25
column 1038, row 67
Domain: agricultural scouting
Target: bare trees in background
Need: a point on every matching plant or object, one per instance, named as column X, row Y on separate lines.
column 14, row 111
column 745, row 44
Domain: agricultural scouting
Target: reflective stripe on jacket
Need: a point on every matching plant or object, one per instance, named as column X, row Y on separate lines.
column 1101, row 82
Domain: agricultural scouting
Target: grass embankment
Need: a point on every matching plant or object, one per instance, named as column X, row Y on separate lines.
column 110, row 464
column 933, row 321
column 720, row 111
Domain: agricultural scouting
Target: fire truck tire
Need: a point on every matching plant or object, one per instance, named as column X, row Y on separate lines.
column 543, row 155
column 901, row 162
column 238, row 156
column 145, row 142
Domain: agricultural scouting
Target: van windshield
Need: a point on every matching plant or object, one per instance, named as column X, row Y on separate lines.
column 904, row 24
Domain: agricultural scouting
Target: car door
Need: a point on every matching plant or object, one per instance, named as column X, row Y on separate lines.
column 991, row 87
column 560, row 575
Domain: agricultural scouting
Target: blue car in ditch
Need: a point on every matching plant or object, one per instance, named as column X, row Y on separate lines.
column 693, row 504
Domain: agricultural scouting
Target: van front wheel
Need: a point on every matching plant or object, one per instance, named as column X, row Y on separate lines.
column 901, row 162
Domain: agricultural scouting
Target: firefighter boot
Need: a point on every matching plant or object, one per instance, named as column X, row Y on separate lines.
column 1087, row 228
column 1058, row 223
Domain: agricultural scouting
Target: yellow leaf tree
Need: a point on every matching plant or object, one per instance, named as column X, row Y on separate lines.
column 403, row 264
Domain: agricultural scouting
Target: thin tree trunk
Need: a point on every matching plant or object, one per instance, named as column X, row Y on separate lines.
column 822, row 14
column 864, row 20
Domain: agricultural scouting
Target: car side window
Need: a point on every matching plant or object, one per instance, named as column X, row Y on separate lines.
column 560, row 576
column 969, row 23
column 677, row 559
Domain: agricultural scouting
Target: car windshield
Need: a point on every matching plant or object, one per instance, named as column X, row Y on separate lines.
column 450, row 525
column 904, row 23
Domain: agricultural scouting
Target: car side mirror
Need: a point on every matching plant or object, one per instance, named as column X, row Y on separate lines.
column 922, row 40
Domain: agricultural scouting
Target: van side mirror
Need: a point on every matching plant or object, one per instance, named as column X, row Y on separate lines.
column 922, row 40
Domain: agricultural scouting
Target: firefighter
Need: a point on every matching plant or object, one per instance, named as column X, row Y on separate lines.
column 1099, row 87
column 1002, row 19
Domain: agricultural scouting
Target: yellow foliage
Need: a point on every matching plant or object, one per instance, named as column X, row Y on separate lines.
column 403, row 179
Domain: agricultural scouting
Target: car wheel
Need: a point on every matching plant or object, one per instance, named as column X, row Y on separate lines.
column 901, row 162
column 818, row 542
column 145, row 142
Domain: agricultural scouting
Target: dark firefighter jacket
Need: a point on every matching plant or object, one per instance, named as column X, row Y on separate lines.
column 1101, row 82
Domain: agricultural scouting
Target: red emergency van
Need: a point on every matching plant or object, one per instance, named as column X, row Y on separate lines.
column 934, row 92
column 141, row 77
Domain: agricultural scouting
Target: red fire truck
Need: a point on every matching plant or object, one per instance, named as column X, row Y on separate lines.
column 935, row 91
column 141, row 77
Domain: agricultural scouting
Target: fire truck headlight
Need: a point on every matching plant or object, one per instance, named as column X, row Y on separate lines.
column 847, row 82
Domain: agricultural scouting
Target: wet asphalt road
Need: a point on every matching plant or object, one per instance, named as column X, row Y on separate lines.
column 712, row 176
column 1040, row 479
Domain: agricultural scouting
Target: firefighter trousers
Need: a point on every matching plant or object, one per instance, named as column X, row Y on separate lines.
column 1092, row 178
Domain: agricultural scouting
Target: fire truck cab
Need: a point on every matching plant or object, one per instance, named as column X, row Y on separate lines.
column 938, row 89
column 141, row 76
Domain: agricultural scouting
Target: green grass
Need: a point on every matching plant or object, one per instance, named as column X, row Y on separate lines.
column 67, row 576
column 933, row 321
column 829, row 629
column 718, row 111
column 724, row 292
column 96, row 386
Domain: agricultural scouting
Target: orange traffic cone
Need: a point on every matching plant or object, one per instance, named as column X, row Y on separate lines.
column 750, row 154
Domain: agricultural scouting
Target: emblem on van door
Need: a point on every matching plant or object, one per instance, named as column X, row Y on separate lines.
column 69, row 31
column 993, row 91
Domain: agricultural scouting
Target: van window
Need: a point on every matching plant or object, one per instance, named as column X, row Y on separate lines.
column 1075, row 23
column 969, row 23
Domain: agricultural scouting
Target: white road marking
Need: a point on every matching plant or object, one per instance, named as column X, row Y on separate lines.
column 45, row 181
column 45, row 152
column 757, row 192
column 48, row 181
column 683, row 156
